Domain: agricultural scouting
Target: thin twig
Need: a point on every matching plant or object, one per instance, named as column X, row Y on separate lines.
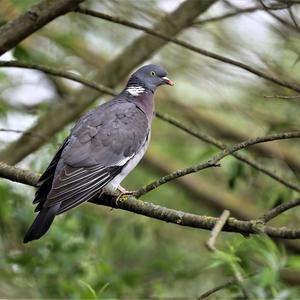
column 215, row 160
column 236, row 12
column 226, row 284
column 209, row 139
column 191, row 47
column 228, row 15
column 24, row 132
column 211, row 247
column 276, row 211
column 293, row 18
column 282, row 97
column 56, row 72
column 282, row 21
column 210, row 244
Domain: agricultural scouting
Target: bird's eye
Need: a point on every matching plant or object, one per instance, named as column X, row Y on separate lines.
column 152, row 73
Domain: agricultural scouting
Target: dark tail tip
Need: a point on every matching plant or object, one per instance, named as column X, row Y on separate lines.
column 41, row 223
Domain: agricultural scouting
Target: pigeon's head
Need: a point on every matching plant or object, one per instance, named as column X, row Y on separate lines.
column 150, row 76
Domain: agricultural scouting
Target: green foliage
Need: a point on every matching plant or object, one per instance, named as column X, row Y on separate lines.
column 259, row 261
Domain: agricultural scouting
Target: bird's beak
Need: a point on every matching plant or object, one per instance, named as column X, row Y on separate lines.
column 167, row 81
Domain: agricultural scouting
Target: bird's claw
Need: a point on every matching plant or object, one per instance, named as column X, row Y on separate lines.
column 123, row 194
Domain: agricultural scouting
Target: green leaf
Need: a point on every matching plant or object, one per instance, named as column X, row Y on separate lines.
column 105, row 286
column 90, row 289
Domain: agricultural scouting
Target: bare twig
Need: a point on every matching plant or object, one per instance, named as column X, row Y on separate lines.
column 191, row 47
column 282, row 21
column 162, row 213
column 237, row 12
column 210, row 244
column 209, row 139
column 226, row 284
column 56, row 72
column 276, row 211
column 294, row 97
column 23, row 132
column 293, row 18
column 37, row 16
column 211, row 247
column 215, row 160
column 228, row 15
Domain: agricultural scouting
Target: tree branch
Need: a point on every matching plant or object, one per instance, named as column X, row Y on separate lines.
column 210, row 244
column 215, row 159
column 237, row 12
column 276, row 211
column 56, row 72
column 209, row 139
column 13, row 32
column 162, row 213
column 191, row 47
column 226, row 284
column 294, row 97
column 18, row 175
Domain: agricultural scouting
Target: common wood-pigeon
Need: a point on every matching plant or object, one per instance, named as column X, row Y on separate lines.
column 102, row 148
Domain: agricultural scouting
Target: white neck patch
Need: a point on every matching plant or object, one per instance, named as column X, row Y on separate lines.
column 135, row 90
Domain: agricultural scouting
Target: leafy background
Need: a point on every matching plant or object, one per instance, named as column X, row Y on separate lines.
column 95, row 252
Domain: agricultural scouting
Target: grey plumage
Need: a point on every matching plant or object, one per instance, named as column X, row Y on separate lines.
column 102, row 148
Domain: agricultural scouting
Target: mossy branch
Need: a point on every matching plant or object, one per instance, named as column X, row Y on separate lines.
column 181, row 218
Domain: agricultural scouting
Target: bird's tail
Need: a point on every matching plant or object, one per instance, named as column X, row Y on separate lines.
column 41, row 223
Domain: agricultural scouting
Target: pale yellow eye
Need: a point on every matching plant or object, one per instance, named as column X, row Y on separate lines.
column 152, row 73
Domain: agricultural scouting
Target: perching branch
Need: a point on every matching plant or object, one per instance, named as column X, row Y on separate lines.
column 215, row 159
column 18, row 175
column 13, row 32
column 191, row 47
column 131, row 204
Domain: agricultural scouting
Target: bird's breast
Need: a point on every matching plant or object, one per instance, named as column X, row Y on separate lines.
column 129, row 166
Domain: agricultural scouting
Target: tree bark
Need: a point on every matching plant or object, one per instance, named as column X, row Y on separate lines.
column 13, row 32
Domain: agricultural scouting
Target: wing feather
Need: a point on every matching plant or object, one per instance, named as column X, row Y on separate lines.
column 87, row 193
column 100, row 145
column 71, row 193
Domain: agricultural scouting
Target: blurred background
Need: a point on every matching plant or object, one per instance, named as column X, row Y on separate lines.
column 96, row 252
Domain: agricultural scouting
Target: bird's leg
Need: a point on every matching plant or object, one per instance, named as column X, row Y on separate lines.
column 123, row 192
